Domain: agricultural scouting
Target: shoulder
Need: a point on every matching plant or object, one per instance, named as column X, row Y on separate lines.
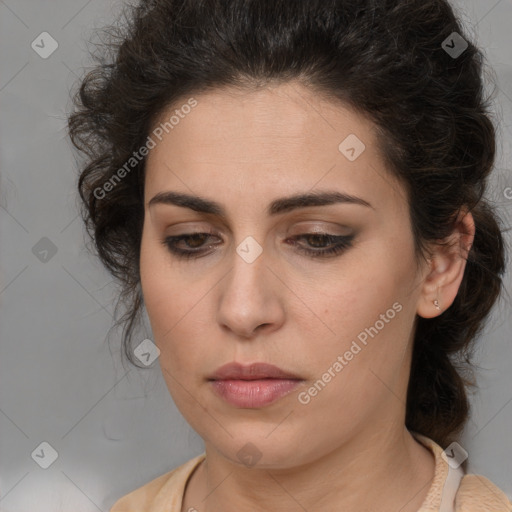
column 476, row 492
column 473, row 492
column 159, row 493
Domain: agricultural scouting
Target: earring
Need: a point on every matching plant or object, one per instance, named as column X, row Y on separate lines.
column 436, row 304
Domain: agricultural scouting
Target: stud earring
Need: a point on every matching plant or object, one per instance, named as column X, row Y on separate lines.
column 436, row 304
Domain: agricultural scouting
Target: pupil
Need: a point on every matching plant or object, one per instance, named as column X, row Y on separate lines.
column 318, row 239
column 198, row 238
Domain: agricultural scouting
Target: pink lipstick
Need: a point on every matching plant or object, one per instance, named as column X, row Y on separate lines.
column 253, row 386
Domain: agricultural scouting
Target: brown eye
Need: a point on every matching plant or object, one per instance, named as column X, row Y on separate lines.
column 319, row 241
column 197, row 239
column 316, row 240
column 192, row 246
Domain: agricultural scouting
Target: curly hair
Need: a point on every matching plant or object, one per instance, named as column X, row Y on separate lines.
column 386, row 59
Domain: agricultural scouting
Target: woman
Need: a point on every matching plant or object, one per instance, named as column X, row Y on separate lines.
column 294, row 192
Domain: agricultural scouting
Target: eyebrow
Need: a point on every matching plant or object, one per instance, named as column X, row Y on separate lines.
column 278, row 206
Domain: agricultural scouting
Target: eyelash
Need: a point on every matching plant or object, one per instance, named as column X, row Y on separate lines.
column 343, row 243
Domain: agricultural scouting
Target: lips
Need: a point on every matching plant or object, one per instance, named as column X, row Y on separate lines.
column 256, row 371
column 254, row 386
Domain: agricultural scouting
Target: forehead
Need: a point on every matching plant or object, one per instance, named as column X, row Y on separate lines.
column 278, row 116
column 280, row 137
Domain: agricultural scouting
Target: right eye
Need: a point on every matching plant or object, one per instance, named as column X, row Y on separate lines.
column 194, row 244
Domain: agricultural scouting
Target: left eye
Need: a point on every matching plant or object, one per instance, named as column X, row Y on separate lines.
column 335, row 243
column 319, row 244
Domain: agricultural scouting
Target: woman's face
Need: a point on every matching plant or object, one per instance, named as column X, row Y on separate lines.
column 259, row 289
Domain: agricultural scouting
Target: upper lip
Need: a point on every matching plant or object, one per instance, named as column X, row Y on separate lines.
column 251, row 372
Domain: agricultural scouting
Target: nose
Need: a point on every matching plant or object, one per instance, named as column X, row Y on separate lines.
column 250, row 300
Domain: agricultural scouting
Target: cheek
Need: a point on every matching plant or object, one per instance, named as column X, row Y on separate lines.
column 177, row 307
column 165, row 298
column 172, row 323
column 367, row 305
column 167, row 294
column 353, row 299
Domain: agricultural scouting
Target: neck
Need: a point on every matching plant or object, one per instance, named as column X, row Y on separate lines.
column 387, row 471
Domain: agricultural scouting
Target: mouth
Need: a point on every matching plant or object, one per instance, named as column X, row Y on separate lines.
column 250, row 394
column 253, row 386
column 255, row 371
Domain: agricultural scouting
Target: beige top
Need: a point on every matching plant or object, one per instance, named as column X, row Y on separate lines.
column 450, row 490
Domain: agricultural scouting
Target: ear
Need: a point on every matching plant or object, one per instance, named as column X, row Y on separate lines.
column 446, row 267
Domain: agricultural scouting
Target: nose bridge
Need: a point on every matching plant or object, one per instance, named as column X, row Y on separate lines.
column 247, row 299
column 249, row 267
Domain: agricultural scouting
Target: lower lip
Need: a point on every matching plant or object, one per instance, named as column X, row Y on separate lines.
column 253, row 393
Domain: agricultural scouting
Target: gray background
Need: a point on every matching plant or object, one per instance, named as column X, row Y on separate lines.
column 115, row 428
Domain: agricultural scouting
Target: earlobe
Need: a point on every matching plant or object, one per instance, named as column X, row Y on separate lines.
column 430, row 305
column 446, row 268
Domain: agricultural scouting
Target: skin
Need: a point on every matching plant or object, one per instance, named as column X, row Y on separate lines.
column 348, row 447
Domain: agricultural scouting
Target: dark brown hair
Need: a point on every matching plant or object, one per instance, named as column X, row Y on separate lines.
column 388, row 60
